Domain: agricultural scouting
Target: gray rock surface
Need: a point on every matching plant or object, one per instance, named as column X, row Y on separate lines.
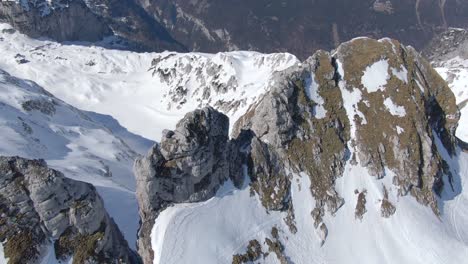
column 188, row 165
column 90, row 20
column 40, row 208
column 72, row 20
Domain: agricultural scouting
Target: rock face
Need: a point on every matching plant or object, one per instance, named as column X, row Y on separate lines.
column 448, row 53
column 447, row 45
column 79, row 20
column 372, row 104
column 268, row 27
column 40, row 208
column 188, row 165
column 261, row 26
column 64, row 20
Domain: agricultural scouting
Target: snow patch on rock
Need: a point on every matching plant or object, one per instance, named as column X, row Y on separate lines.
column 394, row 109
column 376, row 76
column 3, row 260
column 311, row 90
column 399, row 130
column 401, row 74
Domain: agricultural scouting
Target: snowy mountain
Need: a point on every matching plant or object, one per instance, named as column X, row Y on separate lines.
column 347, row 157
column 82, row 145
column 350, row 157
column 299, row 27
column 141, row 88
column 449, row 54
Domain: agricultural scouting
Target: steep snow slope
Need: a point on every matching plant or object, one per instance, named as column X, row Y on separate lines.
column 121, row 84
column 35, row 124
column 455, row 72
column 413, row 235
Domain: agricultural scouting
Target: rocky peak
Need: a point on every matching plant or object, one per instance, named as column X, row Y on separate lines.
column 415, row 107
column 42, row 211
column 188, row 165
column 371, row 104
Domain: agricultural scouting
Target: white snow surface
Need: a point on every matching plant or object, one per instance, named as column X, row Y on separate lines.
column 376, row 76
column 393, row 108
column 455, row 72
column 80, row 144
column 121, row 84
column 400, row 130
column 401, row 74
column 3, row 260
column 351, row 100
column 414, row 234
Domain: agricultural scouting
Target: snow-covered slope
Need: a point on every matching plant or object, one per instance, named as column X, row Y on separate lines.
column 455, row 72
column 35, row 124
column 448, row 53
column 149, row 92
column 412, row 235
column 352, row 198
column 121, row 83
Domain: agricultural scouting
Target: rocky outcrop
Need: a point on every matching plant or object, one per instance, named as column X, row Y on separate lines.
column 188, row 165
column 306, row 137
column 417, row 107
column 321, row 115
column 372, row 104
column 206, row 79
column 61, row 21
column 447, row 45
column 78, row 20
column 204, row 26
column 40, row 209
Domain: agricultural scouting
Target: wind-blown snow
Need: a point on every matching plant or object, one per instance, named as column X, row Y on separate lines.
column 376, row 76
column 393, row 108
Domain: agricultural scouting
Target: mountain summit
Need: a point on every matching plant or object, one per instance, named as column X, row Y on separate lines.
column 349, row 156
column 360, row 137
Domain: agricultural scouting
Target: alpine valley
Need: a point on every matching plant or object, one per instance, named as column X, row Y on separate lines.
column 354, row 155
